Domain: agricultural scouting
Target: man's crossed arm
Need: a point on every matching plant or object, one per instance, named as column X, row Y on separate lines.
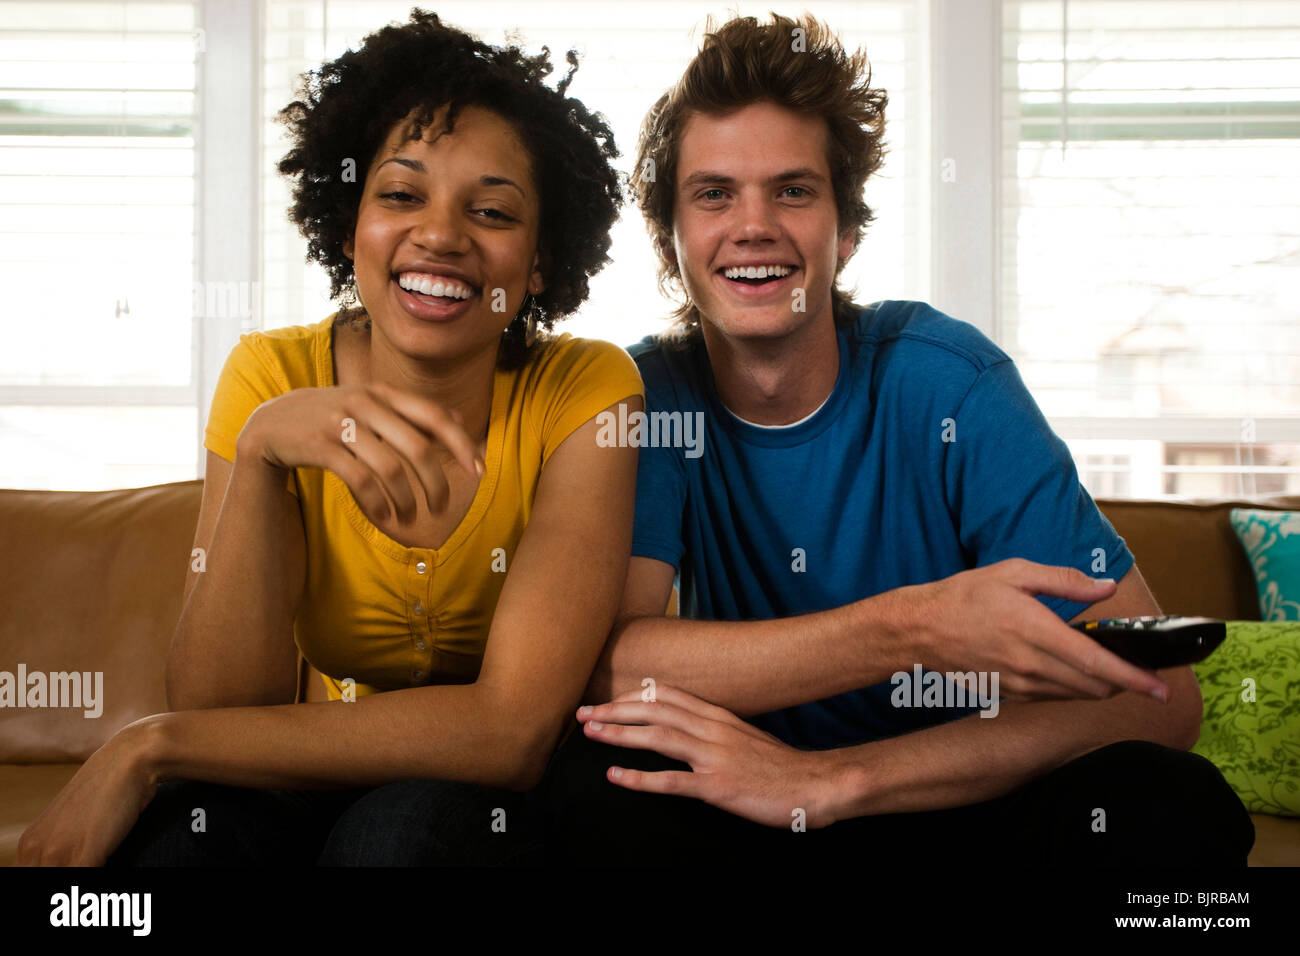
column 985, row 619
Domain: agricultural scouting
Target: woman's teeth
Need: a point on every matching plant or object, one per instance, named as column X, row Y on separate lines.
column 442, row 286
column 757, row 272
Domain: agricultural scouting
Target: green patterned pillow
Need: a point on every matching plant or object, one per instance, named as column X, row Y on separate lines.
column 1272, row 543
column 1251, row 726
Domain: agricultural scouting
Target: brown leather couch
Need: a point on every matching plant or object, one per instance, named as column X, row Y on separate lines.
column 92, row 582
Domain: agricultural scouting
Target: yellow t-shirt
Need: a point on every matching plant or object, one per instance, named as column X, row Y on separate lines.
column 385, row 615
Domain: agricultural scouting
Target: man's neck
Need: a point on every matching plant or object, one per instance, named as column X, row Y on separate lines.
column 775, row 381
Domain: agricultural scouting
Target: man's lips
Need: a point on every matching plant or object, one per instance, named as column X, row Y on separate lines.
column 768, row 287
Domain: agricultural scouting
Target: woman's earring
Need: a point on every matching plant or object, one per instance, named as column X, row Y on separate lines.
column 530, row 332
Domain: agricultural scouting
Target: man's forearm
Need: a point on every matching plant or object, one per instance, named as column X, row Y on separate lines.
column 752, row 667
column 976, row 758
column 452, row 732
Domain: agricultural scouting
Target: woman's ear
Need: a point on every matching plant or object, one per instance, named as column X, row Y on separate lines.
column 537, row 278
column 347, row 248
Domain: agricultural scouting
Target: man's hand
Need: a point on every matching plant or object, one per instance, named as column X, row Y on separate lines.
column 735, row 766
column 988, row 619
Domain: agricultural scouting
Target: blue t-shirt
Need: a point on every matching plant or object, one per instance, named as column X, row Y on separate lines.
column 929, row 458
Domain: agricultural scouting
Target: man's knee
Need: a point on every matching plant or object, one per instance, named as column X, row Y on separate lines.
column 1155, row 805
column 593, row 821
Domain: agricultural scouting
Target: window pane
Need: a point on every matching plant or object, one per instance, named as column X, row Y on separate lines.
column 1151, row 191
column 89, row 449
column 96, row 192
column 628, row 60
column 1155, row 469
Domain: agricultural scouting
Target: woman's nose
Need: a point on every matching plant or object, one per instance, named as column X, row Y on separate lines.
column 440, row 228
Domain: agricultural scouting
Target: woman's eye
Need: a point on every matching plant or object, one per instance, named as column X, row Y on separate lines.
column 491, row 212
column 396, row 194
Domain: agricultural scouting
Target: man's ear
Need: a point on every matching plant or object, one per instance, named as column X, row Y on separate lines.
column 668, row 250
column 848, row 244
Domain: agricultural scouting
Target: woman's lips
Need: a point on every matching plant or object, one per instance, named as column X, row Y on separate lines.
column 430, row 308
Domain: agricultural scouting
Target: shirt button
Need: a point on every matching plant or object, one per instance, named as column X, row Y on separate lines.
column 419, row 675
column 419, row 608
column 420, row 567
column 420, row 644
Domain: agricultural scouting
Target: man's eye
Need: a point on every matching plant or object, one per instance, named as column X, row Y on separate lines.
column 712, row 195
column 795, row 192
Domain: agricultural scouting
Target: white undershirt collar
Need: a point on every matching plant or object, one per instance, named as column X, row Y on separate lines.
column 779, row 427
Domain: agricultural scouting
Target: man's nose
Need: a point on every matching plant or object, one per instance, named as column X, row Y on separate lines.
column 755, row 219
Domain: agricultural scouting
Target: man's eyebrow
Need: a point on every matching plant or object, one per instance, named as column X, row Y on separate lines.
column 721, row 179
column 802, row 172
column 704, row 176
column 419, row 167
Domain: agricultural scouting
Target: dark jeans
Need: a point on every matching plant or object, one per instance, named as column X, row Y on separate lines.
column 407, row 823
column 1162, row 807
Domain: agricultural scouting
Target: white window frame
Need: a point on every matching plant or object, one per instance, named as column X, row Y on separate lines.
column 228, row 233
column 967, row 126
column 965, row 62
column 228, row 51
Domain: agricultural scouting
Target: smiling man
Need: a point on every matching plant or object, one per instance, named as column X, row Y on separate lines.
column 878, row 494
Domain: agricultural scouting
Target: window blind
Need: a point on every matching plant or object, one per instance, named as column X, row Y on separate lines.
column 631, row 53
column 1150, row 194
column 97, row 120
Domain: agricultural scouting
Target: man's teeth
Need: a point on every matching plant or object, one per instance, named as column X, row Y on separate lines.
column 757, row 272
column 431, row 285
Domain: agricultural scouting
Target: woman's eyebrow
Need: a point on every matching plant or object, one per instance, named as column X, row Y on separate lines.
column 488, row 180
column 419, row 167
column 415, row 164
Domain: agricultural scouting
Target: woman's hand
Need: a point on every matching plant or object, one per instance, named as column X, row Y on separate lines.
column 367, row 435
column 95, row 811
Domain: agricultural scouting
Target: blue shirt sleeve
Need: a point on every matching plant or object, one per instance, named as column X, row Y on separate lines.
column 1013, row 490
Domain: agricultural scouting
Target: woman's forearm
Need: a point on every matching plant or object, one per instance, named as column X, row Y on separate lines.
column 233, row 645
column 449, row 731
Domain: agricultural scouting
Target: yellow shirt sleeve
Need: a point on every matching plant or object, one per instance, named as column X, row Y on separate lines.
column 255, row 372
column 579, row 378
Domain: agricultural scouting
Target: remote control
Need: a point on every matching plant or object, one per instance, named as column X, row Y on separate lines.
column 1156, row 642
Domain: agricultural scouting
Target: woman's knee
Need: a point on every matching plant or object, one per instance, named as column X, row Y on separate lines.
column 192, row 823
column 435, row 822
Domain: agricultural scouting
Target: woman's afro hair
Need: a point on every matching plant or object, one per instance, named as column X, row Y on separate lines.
column 348, row 107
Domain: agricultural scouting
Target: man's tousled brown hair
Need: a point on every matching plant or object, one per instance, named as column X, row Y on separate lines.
column 796, row 63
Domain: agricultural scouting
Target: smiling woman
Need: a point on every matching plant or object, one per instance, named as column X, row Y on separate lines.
column 410, row 493
column 381, row 103
column 426, row 202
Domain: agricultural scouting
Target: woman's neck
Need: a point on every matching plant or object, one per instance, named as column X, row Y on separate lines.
column 464, row 386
